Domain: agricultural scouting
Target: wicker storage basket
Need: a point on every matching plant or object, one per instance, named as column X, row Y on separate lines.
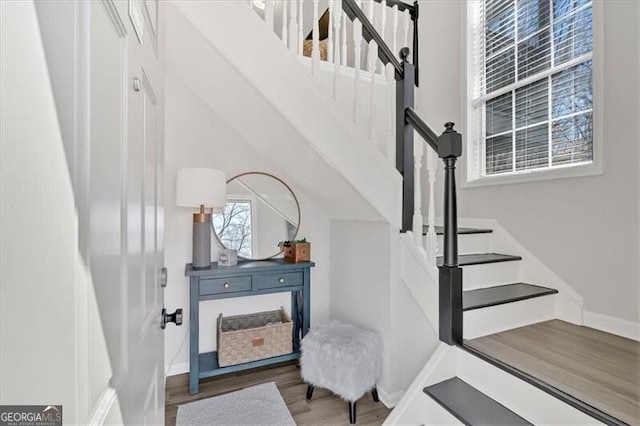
column 246, row 338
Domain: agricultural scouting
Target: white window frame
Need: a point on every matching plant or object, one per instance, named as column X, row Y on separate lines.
column 473, row 154
column 251, row 199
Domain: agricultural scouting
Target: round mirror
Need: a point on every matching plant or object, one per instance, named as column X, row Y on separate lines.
column 261, row 211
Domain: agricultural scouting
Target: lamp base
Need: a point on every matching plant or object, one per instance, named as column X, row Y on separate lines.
column 201, row 240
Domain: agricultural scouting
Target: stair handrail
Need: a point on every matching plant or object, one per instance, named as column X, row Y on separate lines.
column 369, row 33
column 448, row 147
column 402, row 6
column 414, row 13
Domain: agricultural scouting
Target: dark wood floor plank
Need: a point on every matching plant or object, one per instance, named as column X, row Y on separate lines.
column 481, row 259
column 498, row 295
column 471, row 406
column 600, row 369
column 324, row 409
column 461, row 230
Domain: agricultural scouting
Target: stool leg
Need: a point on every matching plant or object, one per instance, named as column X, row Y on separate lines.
column 310, row 389
column 352, row 412
column 374, row 394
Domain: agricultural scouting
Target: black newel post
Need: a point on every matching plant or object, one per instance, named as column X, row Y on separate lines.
column 450, row 274
column 450, row 213
column 404, row 138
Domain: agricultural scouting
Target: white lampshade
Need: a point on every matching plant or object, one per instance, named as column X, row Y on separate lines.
column 201, row 187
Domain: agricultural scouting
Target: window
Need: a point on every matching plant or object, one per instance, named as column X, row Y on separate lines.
column 234, row 226
column 532, row 106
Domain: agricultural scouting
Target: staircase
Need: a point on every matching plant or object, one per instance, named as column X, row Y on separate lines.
column 507, row 288
column 355, row 133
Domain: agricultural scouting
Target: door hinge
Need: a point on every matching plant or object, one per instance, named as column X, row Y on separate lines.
column 164, row 278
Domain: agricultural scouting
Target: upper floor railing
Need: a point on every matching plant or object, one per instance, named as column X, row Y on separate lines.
column 355, row 63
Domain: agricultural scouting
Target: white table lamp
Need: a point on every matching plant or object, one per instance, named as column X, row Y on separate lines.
column 203, row 188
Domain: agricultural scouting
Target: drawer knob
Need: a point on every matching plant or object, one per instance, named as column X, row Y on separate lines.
column 226, row 285
column 281, row 280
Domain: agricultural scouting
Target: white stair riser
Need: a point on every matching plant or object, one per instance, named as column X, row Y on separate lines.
column 494, row 319
column 526, row 400
column 468, row 244
column 490, row 274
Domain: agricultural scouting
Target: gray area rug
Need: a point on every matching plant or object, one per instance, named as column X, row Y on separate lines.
column 257, row 405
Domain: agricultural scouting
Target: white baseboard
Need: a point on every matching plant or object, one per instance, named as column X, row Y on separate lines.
column 175, row 369
column 613, row 325
column 390, row 400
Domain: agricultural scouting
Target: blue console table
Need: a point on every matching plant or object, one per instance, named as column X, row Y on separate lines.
column 248, row 278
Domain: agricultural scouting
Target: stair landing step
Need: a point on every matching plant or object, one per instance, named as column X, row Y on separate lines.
column 479, row 259
column 498, row 295
column 471, row 406
column 461, row 231
column 578, row 365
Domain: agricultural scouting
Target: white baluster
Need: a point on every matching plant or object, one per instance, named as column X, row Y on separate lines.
column 357, row 47
column 343, row 50
column 285, row 32
column 300, row 27
column 372, row 89
column 371, row 52
column 432, row 239
column 383, row 29
column 315, row 52
column 330, row 34
column 394, row 12
column 391, row 145
column 372, row 59
column 269, row 8
column 336, row 19
column 417, row 208
column 293, row 26
column 391, row 116
column 406, row 19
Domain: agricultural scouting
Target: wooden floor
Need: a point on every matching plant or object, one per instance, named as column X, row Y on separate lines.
column 600, row 369
column 323, row 409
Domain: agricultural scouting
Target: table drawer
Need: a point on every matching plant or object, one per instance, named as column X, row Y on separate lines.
column 225, row 285
column 279, row 280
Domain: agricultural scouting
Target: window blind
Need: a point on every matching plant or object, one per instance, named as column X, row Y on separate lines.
column 534, row 83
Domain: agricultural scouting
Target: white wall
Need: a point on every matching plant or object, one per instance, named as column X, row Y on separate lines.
column 40, row 267
column 360, row 279
column 585, row 229
column 366, row 290
column 197, row 137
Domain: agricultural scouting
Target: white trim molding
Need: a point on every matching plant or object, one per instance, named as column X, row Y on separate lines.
column 473, row 148
column 390, row 400
column 613, row 325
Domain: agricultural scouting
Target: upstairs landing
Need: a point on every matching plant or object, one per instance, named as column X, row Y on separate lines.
column 597, row 372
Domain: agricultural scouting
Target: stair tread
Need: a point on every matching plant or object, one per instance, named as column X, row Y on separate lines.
column 481, row 258
column 471, row 406
column 498, row 295
column 461, row 231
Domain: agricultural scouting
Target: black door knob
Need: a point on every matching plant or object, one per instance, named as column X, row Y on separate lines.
column 175, row 317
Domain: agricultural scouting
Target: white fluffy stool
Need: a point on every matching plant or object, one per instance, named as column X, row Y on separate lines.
column 343, row 358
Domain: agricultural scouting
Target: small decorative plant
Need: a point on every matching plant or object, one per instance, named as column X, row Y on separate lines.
column 296, row 251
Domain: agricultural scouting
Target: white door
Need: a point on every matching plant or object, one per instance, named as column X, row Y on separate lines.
column 89, row 279
column 126, row 240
